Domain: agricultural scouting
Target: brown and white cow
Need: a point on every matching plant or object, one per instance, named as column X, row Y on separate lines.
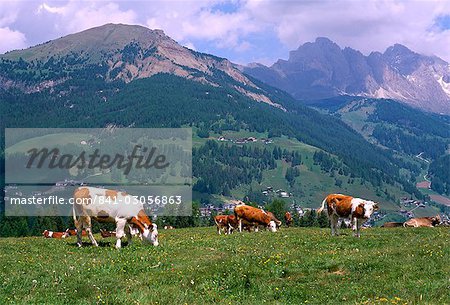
column 343, row 206
column 106, row 205
column 423, row 222
column 392, row 224
column 255, row 216
column 288, row 219
column 51, row 234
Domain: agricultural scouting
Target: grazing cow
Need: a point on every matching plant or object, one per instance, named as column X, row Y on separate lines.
column 254, row 215
column 51, row 234
column 111, row 206
column 288, row 219
column 73, row 232
column 392, row 224
column 423, row 222
column 342, row 206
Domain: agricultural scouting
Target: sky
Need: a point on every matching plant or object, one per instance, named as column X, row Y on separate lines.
column 243, row 31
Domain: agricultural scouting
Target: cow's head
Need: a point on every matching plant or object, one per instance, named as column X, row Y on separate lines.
column 272, row 226
column 369, row 208
column 436, row 220
column 150, row 234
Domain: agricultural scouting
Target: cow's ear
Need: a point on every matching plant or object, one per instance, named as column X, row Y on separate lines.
column 376, row 206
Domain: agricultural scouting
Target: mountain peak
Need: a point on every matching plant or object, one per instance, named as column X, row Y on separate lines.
column 92, row 42
column 398, row 49
column 324, row 40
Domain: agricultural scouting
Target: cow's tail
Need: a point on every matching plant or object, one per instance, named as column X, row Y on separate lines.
column 322, row 207
column 217, row 224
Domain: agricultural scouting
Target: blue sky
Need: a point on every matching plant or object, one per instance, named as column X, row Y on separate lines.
column 242, row 30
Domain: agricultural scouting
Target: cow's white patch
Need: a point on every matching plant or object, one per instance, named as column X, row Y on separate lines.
column 50, row 234
column 356, row 202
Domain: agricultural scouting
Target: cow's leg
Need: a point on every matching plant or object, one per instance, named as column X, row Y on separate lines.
column 240, row 225
column 120, row 231
column 334, row 225
column 91, row 236
column 79, row 227
column 256, row 228
column 218, row 230
column 128, row 234
column 355, row 227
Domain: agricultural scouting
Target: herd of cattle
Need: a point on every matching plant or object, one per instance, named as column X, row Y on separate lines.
column 131, row 219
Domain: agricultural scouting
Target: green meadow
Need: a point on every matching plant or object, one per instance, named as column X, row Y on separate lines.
column 197, row 266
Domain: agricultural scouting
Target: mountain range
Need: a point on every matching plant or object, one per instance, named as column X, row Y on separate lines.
column 322, row 69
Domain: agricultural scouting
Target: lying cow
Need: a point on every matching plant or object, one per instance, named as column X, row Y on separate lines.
column 392, row 224
column 423, row 222
column 288, row 219
column 255, row 216
column 111, row 206
column 342, row 206
column 51, row 234
column 168, row 228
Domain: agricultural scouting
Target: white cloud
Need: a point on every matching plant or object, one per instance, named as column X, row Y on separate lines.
column 76, row 16
column 11, row 40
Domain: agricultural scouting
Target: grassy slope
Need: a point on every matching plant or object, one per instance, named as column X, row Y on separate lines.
column 195, row 266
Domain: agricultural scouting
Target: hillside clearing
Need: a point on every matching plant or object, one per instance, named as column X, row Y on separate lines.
column 196, row 266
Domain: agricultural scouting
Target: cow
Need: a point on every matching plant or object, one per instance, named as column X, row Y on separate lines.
column 288, row 219
column 343, row 206
column 106, row 205
column 168, row 228
column 51, row 234
column 392, row 224
column 254, row 215
column 423, row 222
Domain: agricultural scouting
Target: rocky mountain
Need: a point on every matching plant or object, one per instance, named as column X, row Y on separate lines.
column 322, row 69
column 126, row 53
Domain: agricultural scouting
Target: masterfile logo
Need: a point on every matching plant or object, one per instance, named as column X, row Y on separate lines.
column 153, row 166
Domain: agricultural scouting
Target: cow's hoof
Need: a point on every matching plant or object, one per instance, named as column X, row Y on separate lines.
column 79, row 245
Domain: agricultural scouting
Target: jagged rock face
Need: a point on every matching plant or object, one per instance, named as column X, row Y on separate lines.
column 132, row 52
column 322, row 69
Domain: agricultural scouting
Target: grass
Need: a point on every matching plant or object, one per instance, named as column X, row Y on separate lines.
column 196, row 266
